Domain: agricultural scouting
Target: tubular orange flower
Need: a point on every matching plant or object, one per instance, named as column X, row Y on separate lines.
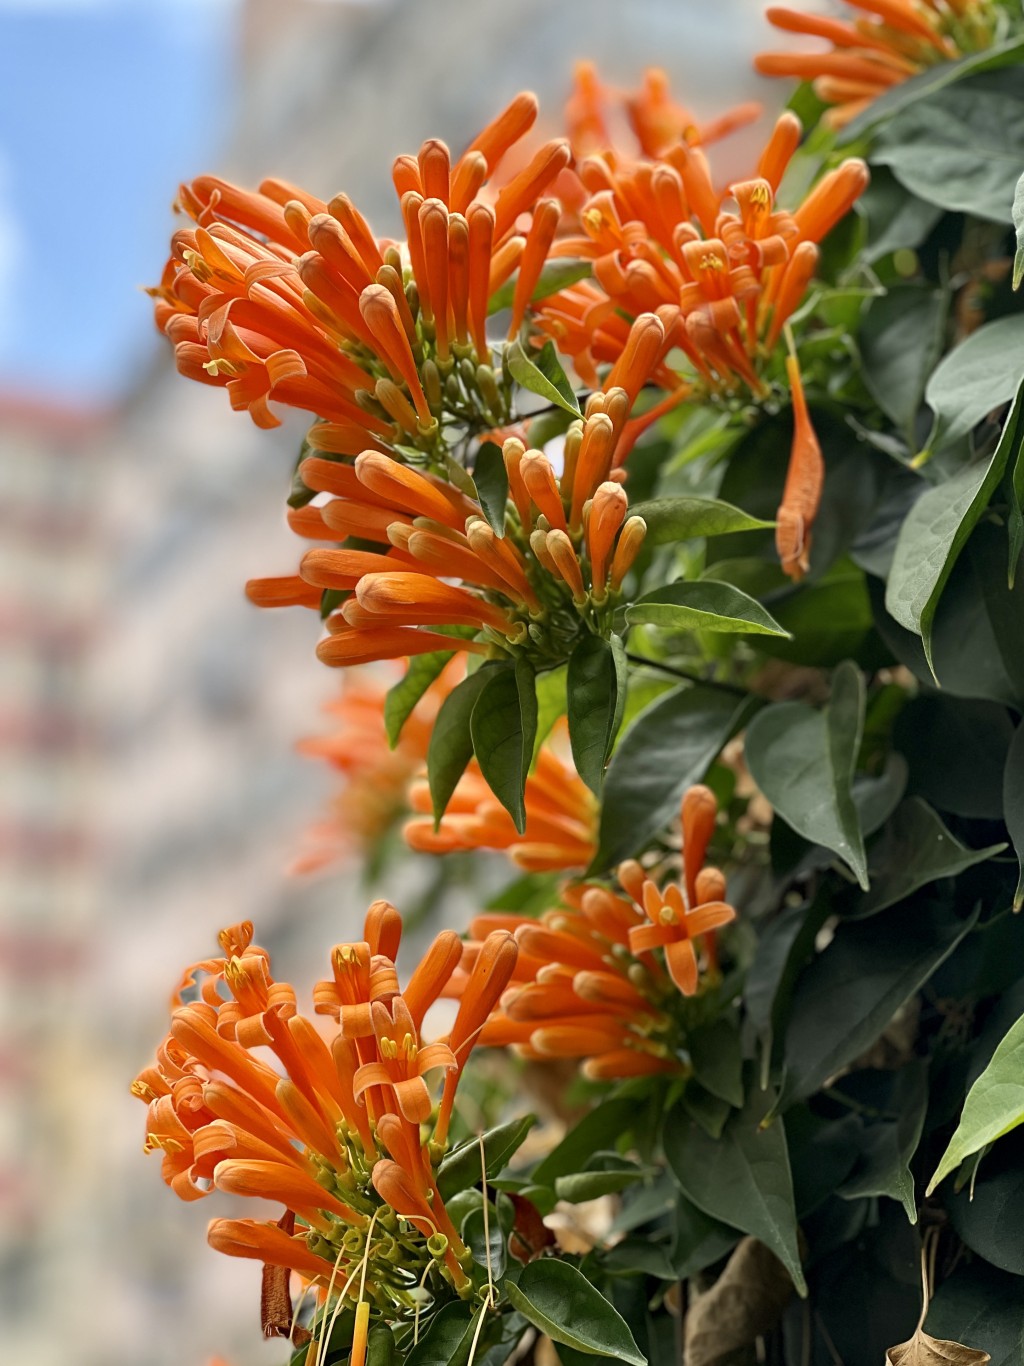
column 681, row 912
column 723, row 273
column 278, row 295
column 884, row 42
column 561, row 818
column 336, row 1135
column 589, row 982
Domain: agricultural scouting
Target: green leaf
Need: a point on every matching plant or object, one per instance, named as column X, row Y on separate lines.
column 1018, row 223
column 974, row 379
column 994, row 1105
column 669, row 746
column 895, row 218
column 493, row 1246
column 717, row 1059
column 988, row 1213
column 451, row 744
column 964, row 774
column 402, row 698
column 982, row 1308
column 851, row 991
column 680, row 519
column 704, row 605
column 783, row 949
column 542, row 374
column 556, row 275
column 937, row 528
column 960, row 150
column 561, row 1302
column 1015, row 519
column 803, row 761
column 596, row 693
column 886, row 1149
column 699, row 1239
column 1013, row 805
column 551, row 703
column 610, row 1120
column 914, row 849
column 448, row 1340
column 460, row 1169
column 928, row 83
column 491, row 479
column 742, row 1179
column 615, row 1174
column 900, row 340
column 503, row 726
column 709, row 1111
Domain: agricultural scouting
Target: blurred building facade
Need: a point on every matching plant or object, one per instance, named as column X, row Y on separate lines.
column 148, row 713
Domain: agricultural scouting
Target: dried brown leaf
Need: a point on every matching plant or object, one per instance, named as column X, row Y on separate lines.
column 924, row 1350
column 745, row 1303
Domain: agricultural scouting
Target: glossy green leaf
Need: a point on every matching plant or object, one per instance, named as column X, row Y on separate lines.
column 803, row 761
column 557, row 274
column 707, row 1110
column 983, row 1308
column 1018, row 223
column 964, row 774
column 960, row 149
column 460, row 1169
column 488, row 1244
column 886, row 1148
column 741, row 1179
column 784, row 947
column 401, row 699
column 895, row 218
column 914, row 849
column 851, row 990
column 451, row 744
column 449, row 1338
column 1015, row 518
column 974, row 379
column 937, row 528
column 491, row 479
column 1013, row 805
column 670, row 745
column 933, row 79
column 679, row 519
column 561, row 1302
column 503, row 726
column 615, row 1174
column 994, row 1105
column 703, row 605
column 542, row 373
column 596, row 695
column 900, row 340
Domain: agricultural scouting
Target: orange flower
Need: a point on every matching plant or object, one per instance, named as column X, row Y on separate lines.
column 681, row 912
column 561, row 818
column 887, row 42
column 376, row 778
column 553, row 573
column 723, row 271
column 276, row 294
column 589, row 981
column 655, row 119
column 337, row 1132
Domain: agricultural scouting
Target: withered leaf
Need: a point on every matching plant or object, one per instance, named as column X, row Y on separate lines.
column 924, row 1350
column 744, row 1303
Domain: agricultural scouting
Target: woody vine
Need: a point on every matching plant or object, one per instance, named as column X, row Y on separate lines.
column 666, row 534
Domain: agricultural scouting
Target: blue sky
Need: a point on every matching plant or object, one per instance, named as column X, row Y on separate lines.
column 105, row 105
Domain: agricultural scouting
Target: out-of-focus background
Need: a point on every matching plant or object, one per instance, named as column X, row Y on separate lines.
column 149, row 792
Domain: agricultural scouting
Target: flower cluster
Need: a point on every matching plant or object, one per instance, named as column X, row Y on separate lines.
column 887, row 42
column 341, row 1131
column 589, row 982
column 552, row 570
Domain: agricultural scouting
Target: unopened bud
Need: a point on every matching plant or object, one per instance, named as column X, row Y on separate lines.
column 431, row 377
